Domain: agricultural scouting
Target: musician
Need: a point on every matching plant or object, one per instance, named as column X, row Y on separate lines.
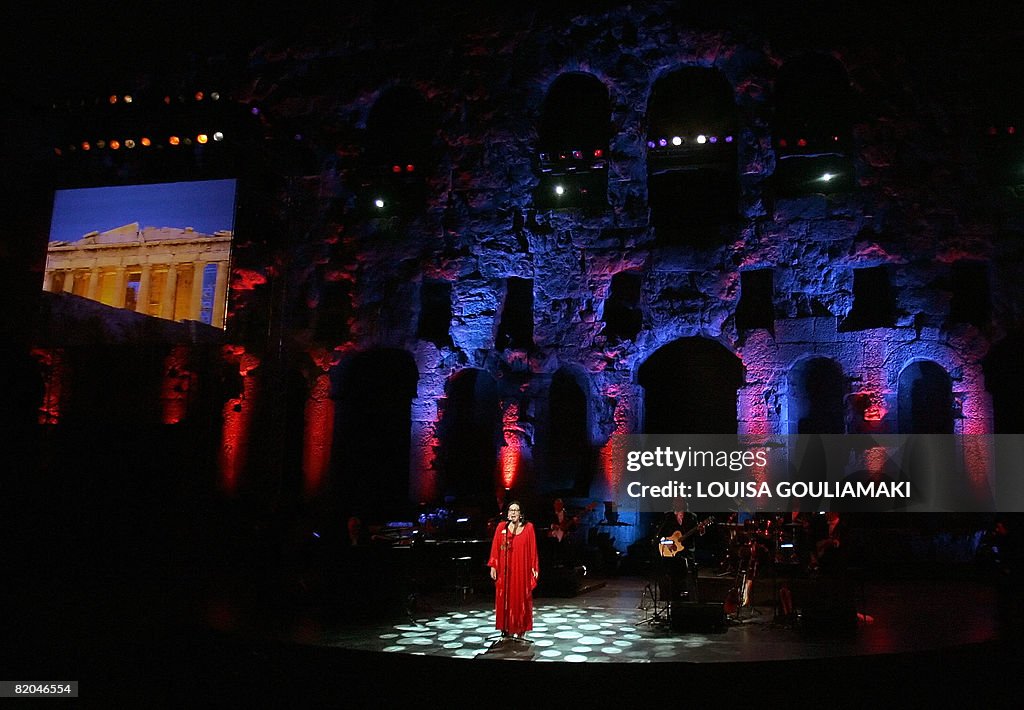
column 558, row 547
column 562, row 524
column 514, row 568
column 679, row 571
column 356, row 534
column 828, row 548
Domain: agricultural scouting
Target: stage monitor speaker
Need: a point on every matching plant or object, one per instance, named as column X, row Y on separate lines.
column 694, row 617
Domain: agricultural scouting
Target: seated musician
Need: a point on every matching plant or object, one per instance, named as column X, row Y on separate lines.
column 558, row 547
column 679, row 568
column 562, row 524
column 827, row 553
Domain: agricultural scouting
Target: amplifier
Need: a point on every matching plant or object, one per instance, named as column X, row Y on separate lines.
column 695, row 617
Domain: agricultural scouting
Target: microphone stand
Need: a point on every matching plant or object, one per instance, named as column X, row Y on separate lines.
column 506, row 551
column 508, row 573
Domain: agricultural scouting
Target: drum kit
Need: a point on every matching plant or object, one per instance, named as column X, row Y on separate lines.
column 761, row 540
column 754, row 544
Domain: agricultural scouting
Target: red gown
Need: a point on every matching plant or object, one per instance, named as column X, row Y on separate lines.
column 514, row 557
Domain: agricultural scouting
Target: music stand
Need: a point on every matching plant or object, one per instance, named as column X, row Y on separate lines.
column 656, row 609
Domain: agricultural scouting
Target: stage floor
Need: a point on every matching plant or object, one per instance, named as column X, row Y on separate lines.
column 607, row 625
column 916, row 640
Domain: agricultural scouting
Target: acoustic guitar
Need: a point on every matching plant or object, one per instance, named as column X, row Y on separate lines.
column 673, row 544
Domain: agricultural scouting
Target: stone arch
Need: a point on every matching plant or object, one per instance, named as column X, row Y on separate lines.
column 691, row 155
column 816, row 390
column 924, row 399
column 569, row 437
column 572, row 142
column 690, row 387
column 469, row 434
column 373, row 392
column 812, row 128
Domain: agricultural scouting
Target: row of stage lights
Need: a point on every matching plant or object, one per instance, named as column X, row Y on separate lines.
column 142, row 142
column 132, row 100
column 805, row 143
column 570, row 160
column 676, row 141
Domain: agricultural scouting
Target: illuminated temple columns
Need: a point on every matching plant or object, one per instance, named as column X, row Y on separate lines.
column 99, row 267
column 120, row 284
column 167, row 297
column 145, row 283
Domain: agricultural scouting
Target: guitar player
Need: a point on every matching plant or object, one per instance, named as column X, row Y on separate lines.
column 679, row 571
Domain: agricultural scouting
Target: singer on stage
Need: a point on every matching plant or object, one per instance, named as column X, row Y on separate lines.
column 514, row 568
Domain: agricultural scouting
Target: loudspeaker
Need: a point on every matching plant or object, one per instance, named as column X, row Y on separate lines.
column 698, row 618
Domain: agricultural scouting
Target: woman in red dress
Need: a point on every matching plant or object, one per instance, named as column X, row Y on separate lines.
column 514, row 569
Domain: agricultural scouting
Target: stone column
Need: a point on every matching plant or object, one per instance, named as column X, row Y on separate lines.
column 48, row 281
column 196, row 305
column 145, row 281
column 94, row 284
column 120, row 284
column 220, row 295
column 167, row 298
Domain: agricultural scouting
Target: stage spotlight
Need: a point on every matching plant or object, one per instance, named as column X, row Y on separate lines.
column 129, row 143
column 410, row 168
column 559, row 190
column 827, row 177
column 662, row 142
column 218, row 136
column 128, row 98
column 115, row 145
column 202, row 139
column 145, row 142
column 174, row 140
column 378, row 203
column 702, row 139
column 676, row 140
column 86, row 145
column 396, row 169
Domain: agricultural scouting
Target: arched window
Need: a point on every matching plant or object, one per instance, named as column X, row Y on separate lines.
column 572, row 143
column 469, row 434
column 812, row 129
column 690, row 388
column 816, row 397
column 373, row 391
column 691, row 155
column 570, row 455
column 925, row 399
column 398, row 153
